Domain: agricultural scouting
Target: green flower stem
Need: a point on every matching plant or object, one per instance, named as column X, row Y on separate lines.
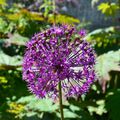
column 60, row 101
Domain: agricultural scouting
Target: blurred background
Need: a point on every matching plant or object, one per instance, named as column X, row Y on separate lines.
column 21, row 19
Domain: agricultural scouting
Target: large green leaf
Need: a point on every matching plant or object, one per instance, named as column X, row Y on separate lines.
column 14, row 39
column 34, row 106
column 17, row 39
column 108, row 62
column 8, row 62
column 105, row 63
column 113, row 104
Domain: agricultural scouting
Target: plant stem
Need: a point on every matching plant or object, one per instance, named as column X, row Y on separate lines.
column 60, row 101
column 54, row 12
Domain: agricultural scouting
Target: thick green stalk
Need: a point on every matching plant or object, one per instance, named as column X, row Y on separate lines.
column 60, row 101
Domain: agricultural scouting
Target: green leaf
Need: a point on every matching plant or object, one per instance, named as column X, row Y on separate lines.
column 108, row 9
column 26, row 99
column 8, row 62
column 17, row 39
column 108, row 62
column 36, row 107
column 113, row 105
column 68, row 114
column 78, row 108
column 99, row 109
column 41, row 105
column 74, row 108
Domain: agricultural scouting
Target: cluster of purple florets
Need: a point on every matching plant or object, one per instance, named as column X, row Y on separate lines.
column 59, row 54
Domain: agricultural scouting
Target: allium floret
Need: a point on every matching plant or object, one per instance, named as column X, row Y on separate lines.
column 59, row 54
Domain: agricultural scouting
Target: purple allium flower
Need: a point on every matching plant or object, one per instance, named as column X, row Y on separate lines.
column 58, row 55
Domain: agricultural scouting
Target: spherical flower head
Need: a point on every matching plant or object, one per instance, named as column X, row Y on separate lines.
column 57, row 55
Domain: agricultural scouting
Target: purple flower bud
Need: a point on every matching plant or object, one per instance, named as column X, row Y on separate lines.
column 82, row 33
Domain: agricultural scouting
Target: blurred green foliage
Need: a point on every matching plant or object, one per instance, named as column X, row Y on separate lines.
column 17, row 25
column 108, row 9
column 105, row 37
